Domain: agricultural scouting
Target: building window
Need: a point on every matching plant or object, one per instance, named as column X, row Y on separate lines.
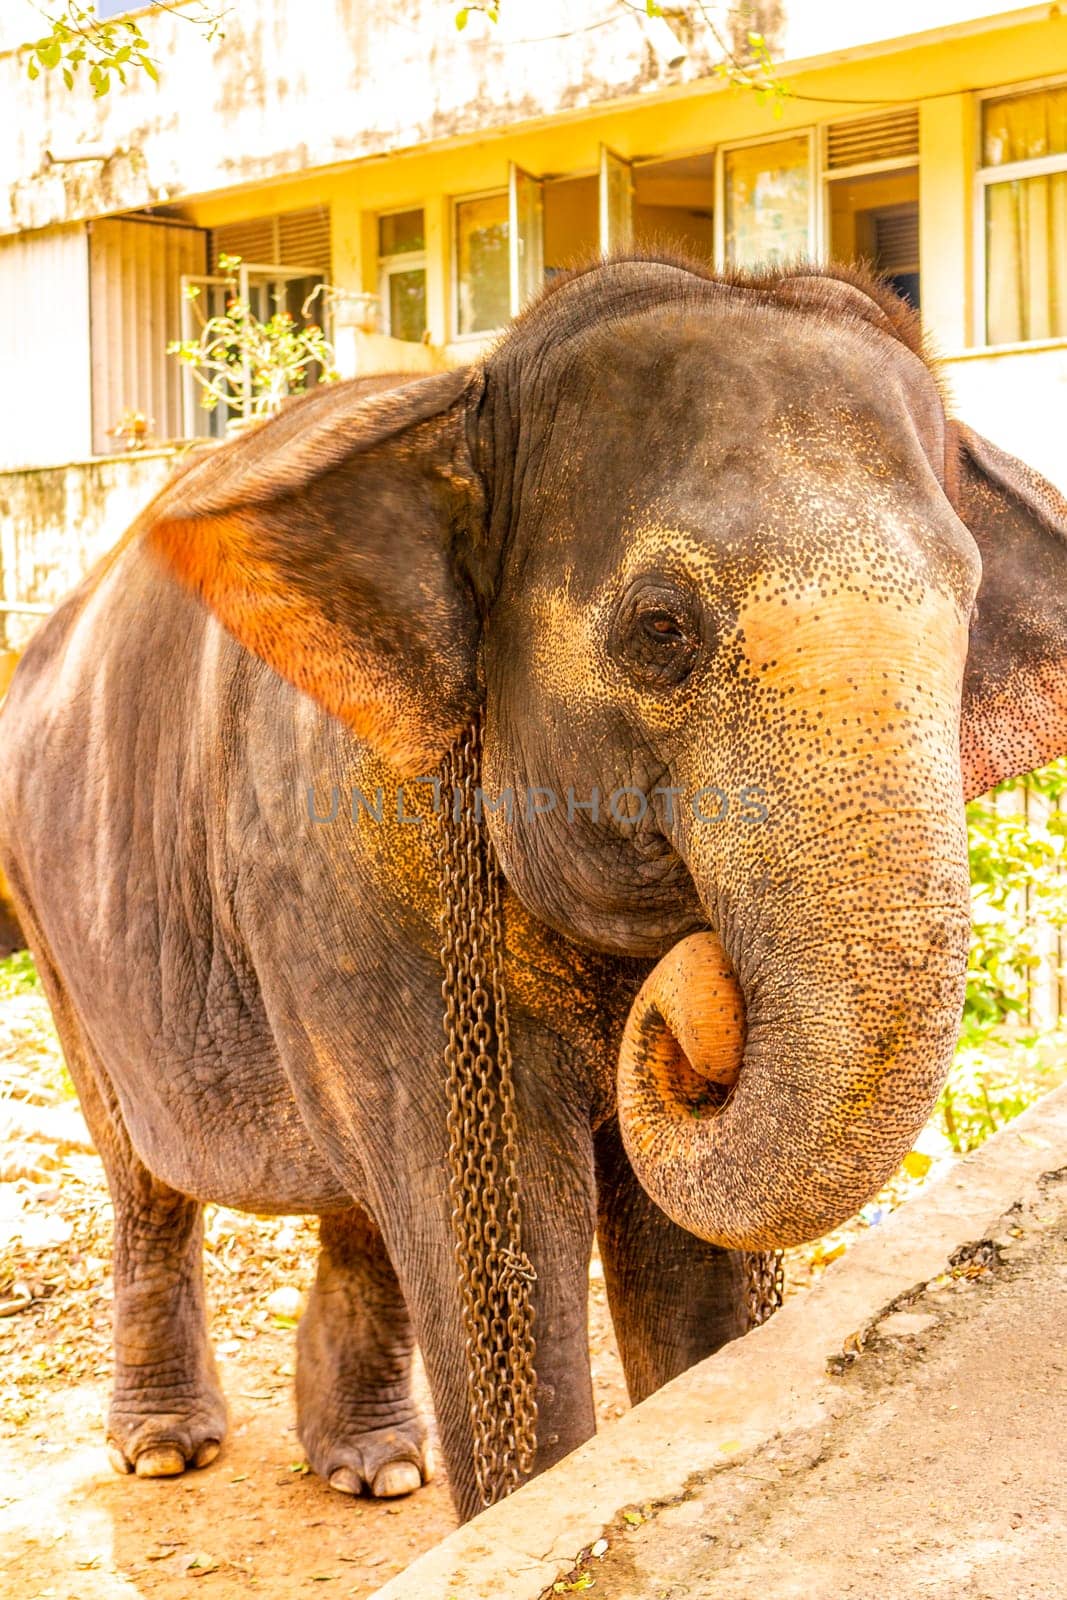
column 1024, row 176
column 483, row 285
column 674, row 204
column 402, row 273
column 767, row 202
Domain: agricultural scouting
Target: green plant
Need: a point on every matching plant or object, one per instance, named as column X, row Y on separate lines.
column 77, row 38
column 1018, row 884
column 18, row 975
column 248, row 365
column 1018, row 887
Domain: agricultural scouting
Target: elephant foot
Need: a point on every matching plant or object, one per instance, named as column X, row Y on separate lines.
column 384, row 1462
column 162, row 1440
column 355, row 1412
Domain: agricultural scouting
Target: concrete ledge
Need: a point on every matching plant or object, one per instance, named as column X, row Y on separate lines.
column 739, row 1400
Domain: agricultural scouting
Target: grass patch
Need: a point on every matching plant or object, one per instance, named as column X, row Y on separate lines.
column 18, row 975
column 994, row 1079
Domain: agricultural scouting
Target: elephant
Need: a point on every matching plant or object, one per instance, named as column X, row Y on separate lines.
column 708, row 545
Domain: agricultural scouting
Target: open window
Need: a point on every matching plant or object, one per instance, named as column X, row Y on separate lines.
column 526, row 237
column 616, row 202
column 483, row 263
column 1023, row 184
column 872, row 195
column 674, row 204
column 402, row 273
column 572, row 222
column 767, row 215
column 876, row 219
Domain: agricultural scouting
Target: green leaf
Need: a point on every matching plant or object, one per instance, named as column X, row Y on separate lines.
column 32, row 69
column 462, row 17
column 68, row 77
column 149, row 66
column 50, row 51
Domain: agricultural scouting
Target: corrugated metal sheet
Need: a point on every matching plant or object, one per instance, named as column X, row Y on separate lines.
column 44, row 347
column 893, row 137
column 135, row 271
column 288, row 239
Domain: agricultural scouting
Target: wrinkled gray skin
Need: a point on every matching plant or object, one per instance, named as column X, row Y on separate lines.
column 250, row 1002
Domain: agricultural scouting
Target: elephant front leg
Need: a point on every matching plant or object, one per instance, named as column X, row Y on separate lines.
column 674, row 1298
column 557, row 1204
column 356, row 1415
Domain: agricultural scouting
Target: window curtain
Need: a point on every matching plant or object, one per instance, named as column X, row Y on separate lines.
column 1026, row 220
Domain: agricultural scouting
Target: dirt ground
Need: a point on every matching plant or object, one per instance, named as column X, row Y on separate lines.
column 255, row 1522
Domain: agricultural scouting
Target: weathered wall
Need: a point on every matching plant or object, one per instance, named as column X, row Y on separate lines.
column 296, row 84
column 56, row 522
column 266, row 100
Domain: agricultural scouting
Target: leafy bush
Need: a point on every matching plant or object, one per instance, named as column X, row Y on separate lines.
column 1018, row 887
column 248, row 365
column 18, row 975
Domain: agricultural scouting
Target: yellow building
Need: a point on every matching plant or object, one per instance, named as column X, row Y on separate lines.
column 436, row 178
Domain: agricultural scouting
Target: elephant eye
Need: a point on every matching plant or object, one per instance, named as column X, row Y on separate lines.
column 659, row 646
column 661, row 626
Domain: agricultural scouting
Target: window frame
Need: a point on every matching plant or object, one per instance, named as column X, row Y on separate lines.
column 455, row 201
column 1039, row 167
column 815, row 208
column 400, row 261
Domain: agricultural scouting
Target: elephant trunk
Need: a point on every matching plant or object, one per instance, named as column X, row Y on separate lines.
column 763, row 1117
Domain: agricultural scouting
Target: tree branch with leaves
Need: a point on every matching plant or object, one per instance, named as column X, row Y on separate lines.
column 746, row 66
column 79, row 41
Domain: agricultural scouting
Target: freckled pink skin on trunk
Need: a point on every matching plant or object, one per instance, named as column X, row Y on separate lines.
column 764, row 1120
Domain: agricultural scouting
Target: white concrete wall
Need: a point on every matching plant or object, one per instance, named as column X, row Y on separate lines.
column 1017, row 396
column 45, row 404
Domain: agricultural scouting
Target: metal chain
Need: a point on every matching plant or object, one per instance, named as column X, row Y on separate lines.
column 495, row 1272
column 764, row 1285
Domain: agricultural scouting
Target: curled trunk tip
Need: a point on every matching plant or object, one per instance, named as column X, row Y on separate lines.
column 683, row 1043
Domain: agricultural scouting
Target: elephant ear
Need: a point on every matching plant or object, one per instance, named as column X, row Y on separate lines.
column 331, row 542
column 1015, row 687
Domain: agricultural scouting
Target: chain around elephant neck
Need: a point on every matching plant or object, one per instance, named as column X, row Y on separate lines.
column 495, row 1273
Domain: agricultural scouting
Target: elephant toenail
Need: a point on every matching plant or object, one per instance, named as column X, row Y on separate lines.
column 164, row 1461
column 399, row 1477
column 346, row 1480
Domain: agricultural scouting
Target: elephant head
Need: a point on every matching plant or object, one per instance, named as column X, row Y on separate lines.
column 710, row 554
